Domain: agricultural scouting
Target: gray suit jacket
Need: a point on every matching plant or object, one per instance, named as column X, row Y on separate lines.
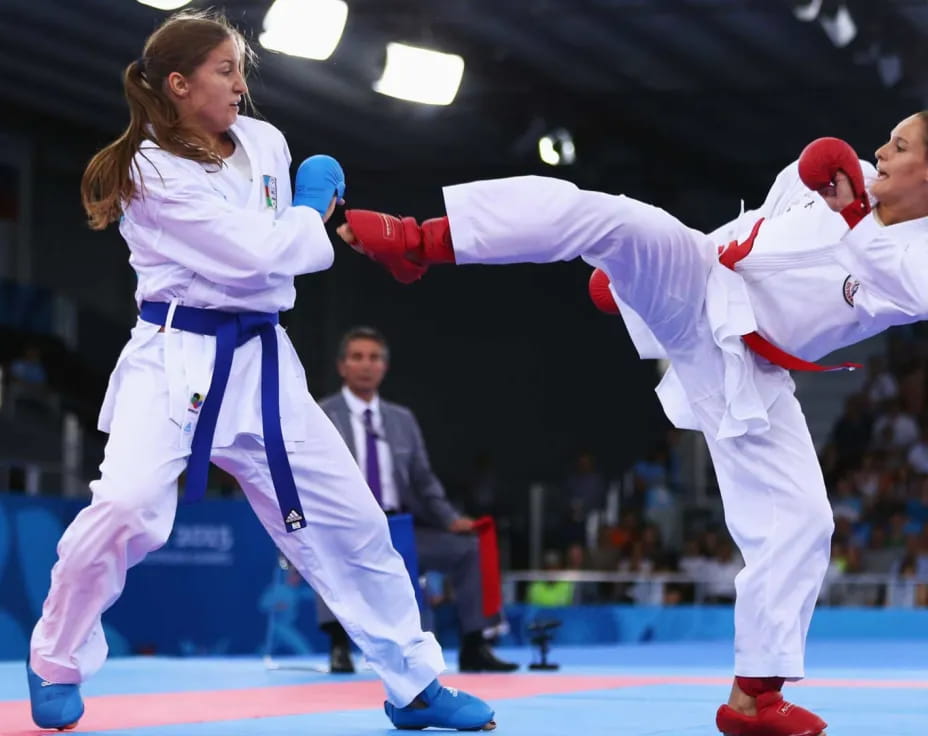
column 420, row 491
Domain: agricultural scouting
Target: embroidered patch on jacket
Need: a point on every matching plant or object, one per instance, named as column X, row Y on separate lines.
column 270, row 191
column 196, row 401
column 851, row 285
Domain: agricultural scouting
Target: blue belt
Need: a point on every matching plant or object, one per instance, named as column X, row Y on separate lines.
column 231, row 330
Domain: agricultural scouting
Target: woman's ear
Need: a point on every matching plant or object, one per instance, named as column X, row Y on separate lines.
column 177, row 84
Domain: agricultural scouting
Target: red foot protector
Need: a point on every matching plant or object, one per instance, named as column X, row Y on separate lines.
column 775, row 717
column 600, row 294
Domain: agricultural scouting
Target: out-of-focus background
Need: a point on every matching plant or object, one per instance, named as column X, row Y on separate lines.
column 534, row 406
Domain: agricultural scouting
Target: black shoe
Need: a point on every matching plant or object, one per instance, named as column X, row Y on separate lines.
column 480, row 658
column 340, row 660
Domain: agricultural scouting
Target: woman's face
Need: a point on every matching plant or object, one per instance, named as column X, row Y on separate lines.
column 901, row 162
column 210, row 97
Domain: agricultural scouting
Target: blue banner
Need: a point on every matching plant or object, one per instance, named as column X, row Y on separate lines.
column 207, row 591
column 216, row 587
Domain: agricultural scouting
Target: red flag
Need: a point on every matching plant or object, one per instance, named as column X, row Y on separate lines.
column 485, row 528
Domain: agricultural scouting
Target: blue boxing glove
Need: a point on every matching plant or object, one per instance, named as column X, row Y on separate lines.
column 318, row 179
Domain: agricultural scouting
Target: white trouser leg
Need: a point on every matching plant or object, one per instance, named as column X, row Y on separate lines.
column 131, row 514
column 771, row 483
column 657, row 264
column 345, row 552
column 778, row 513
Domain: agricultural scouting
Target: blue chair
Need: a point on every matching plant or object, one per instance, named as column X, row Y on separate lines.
column 404, row 540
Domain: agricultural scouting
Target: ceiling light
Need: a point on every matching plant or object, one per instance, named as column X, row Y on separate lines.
column 557, row 148
column 165, row 4
column 307, row 28
column 840, row 27
column 807, row 10
column 420, row 75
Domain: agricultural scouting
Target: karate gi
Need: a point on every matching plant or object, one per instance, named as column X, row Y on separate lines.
column 809, row 286
column 208, row 239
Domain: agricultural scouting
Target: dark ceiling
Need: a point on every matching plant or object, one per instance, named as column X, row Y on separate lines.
column 642, row 84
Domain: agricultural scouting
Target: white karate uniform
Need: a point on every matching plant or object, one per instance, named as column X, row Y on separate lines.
column 809, row 285
column 215, row 240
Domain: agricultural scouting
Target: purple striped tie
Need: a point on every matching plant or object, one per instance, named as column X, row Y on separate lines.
column 373, row 462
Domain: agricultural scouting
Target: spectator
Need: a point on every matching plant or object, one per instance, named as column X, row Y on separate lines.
column 721, row 572
column 847, row 593
column 638, row 564
column 895, row 429
column 550, row 593
column 918, row 453
column 878, row 557
column 693, row 562
column 867, row 476
column 881, row 384
column 905, row 591
column 586, row 485
column 577, row 562
column 845, row 504
column 28, row 386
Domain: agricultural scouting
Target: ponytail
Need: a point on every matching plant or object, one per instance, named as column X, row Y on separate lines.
column 181, row 44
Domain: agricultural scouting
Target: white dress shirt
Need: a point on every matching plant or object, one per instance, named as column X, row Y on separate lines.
column 389, row 496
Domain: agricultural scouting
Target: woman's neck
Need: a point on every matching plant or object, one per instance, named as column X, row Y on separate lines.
column 893, row 214
column 224, row 144
column 221, row 143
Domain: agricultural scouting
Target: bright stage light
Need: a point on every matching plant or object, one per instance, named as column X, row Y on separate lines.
column 420, row 75
column 307, row 28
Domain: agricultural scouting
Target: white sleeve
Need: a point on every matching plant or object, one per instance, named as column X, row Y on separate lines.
column 198, row 229
column 892, row 270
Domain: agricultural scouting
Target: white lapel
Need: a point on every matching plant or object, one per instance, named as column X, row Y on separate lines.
column 256, row 196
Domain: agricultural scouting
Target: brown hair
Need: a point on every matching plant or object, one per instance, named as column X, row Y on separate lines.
column 180, row 44
column 362, row 333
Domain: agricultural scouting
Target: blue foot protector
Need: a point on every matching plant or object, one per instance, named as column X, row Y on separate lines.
column 54, row 706
column 443, row 707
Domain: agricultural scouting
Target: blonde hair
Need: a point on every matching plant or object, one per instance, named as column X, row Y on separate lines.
column 180, row 44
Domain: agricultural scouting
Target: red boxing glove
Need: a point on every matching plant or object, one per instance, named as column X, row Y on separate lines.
column 404, row 270
column 821, row 160
column 600, row 294
column 385, row 239
column 399, row 244
column 436, row 244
